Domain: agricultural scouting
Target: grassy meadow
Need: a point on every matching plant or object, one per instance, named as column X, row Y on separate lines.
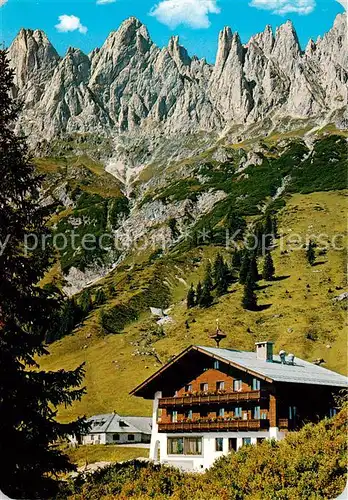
column 298, row 314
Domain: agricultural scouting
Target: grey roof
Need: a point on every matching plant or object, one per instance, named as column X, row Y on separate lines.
column 114, row 423
column 301, row 372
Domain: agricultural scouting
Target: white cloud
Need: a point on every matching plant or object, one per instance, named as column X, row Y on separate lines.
column 70, row 23
column 2, row 2
column 104, row 2
column 344, row 3
column 282, row 7
column 192, row 13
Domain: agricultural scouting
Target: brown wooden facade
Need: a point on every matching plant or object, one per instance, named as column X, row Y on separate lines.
column 202, row 394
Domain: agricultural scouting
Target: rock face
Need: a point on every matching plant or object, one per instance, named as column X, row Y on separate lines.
column 130, row 84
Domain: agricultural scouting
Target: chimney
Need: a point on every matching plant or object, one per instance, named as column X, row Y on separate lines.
column 264, row 351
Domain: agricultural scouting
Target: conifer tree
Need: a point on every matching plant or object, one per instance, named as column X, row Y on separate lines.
column 29, row 396
column 310, row 252
column 199, row 291
column 191, row 298
column 221, row 275
column 206, row 299
column 100, row 297
column 249, row 300
column 268, row 268
column 236, row 259
column 253, row 268
column 208, row 279
column 244, row 269
column 86, row 304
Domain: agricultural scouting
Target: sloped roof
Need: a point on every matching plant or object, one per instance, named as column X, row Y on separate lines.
column 114, row 423
column 301, row 372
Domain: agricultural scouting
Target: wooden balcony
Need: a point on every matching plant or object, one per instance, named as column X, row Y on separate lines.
column 227, row 397
column 225, row 425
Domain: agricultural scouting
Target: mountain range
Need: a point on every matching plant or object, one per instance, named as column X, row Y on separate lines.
column 131, row 85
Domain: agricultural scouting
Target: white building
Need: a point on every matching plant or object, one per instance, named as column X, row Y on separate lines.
column 114, row 429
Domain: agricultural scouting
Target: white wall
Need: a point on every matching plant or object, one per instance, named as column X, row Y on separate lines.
column 107, row 438
column 209, row 455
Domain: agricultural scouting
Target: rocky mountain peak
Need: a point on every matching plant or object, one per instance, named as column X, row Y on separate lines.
column 32, row 55
column 177, row 52
column 130, row 84
column 264, row 41
column 224, row 47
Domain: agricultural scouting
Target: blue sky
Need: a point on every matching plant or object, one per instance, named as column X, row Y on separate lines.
column 86, row 23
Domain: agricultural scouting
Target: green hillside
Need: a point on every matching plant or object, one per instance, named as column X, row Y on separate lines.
column 298, row 314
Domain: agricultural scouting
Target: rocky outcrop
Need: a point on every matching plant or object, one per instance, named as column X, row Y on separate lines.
column 130, row 84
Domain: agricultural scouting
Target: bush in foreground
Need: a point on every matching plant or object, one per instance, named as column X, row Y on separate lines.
column 309, row 464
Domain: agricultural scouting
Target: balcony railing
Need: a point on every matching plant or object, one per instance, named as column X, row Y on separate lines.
column 227, row 425
column 209, row 398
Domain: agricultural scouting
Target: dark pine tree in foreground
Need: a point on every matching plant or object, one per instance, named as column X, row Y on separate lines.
column 191, row 298
column 310, row 252
column 28, row 396
column 268, row 268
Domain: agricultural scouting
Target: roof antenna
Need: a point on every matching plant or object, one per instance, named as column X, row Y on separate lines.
column 218, row 335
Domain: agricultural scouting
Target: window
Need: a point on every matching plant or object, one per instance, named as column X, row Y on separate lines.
column 174, row 416
column 193, row 446
column 175, row 446
column 257, row 413
column 92, row 437
column 116, row 437
column 232, row 444
column 237, row 385
column 204, row 387
column 256, row 384
column 219, row 444
column 216, row 364
column 122, row 424
column 238, row 412
column 332, row 412
column 184, row 446
column 246, row 441
column 189, row 414
column 221, row 412
column 188, row 388
column 159, row 414
column 260, row 440
column 220, row 386
column 131, row 437
column 292, row 412
column 264, row 415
